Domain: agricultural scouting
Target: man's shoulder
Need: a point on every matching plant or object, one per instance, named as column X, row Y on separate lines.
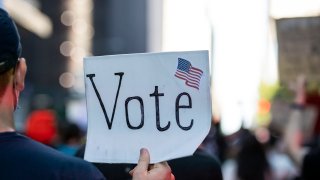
column 74, row 167
column 28, row 155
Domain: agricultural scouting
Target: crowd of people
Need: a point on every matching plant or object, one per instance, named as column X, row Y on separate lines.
column 52, row 149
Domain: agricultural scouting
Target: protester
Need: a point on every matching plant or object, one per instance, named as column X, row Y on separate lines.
column 304, row 149
column 251, row 160
column 41, row 125
column 70, row 137
column 24, row 158
column 248, row 158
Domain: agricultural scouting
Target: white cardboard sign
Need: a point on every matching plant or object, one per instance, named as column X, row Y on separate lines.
column 158, row 101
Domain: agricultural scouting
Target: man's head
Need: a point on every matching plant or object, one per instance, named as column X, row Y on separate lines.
column 10, row 47
column 12, row 71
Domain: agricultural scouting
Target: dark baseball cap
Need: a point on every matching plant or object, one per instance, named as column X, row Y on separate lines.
column 10, row 47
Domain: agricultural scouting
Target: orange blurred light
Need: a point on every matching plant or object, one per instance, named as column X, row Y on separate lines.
column 264, row 106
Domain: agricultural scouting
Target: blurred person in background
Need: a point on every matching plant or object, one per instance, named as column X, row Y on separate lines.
column 247, row 159
column 24, row 158
column 41, row 125
column 281, row 165
column 301, row 136
column 252, row 163
column 214, row 144
column 70, row 137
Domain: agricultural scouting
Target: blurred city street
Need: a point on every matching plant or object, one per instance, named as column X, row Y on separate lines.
column 264, row 63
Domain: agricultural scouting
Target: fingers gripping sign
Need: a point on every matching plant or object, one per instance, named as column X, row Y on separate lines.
column 144, row 171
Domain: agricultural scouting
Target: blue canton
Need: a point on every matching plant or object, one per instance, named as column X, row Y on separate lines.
column 184, row 65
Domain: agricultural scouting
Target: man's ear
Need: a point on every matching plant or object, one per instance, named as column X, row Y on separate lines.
column 20, row 74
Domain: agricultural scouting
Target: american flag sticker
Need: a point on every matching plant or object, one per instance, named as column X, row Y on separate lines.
column 191, row 75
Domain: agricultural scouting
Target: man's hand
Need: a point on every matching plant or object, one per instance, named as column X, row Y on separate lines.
column 158, row 171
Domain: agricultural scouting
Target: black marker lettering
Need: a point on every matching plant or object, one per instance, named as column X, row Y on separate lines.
column 156, row 95
column 178, row 106
column 141, row 109
column 109, row 123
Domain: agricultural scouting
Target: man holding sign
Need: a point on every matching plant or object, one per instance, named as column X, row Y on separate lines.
column 23, row 158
